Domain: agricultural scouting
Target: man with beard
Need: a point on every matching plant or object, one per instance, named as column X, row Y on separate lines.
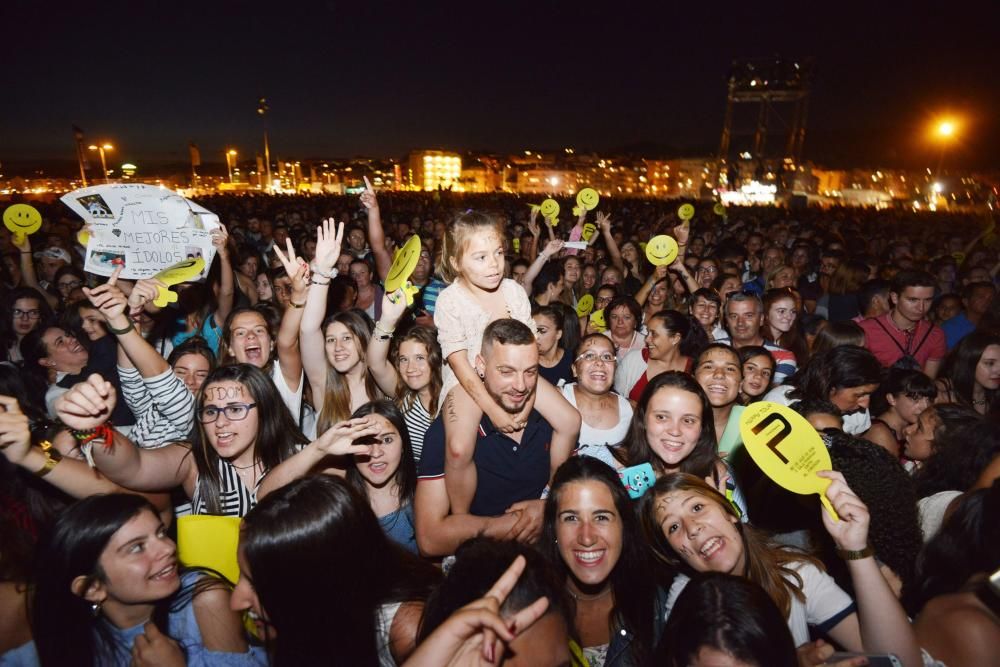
column 512, row 469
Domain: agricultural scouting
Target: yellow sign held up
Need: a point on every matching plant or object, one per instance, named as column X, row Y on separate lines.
column 661, row 250
column 685, row 212
column 209, row 541
column 787, row 449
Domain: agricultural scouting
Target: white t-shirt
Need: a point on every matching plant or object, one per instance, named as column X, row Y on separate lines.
column 825, row 606
column 292, row 399
column 595, row 441
column 855, row 423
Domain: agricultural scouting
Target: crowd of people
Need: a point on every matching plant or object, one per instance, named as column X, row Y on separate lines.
column 447, row 480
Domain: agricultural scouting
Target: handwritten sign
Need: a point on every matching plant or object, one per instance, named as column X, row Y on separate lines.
column 787, row 449
column 144, row 228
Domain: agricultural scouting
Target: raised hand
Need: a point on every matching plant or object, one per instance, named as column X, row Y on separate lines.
column 368, row 198
column 144, row 292
column 393, row 306
column 552, row 248
column 329, row 237
column 851, row 532
column 87, row 404
column 109, row 299
column 475, row 635
column 603, row 221
column 339, row 439
column 15, row 430
column 533, row 223
column 220, row 240
column 681, row 233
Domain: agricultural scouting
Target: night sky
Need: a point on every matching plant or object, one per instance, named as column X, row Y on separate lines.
column 378, row 79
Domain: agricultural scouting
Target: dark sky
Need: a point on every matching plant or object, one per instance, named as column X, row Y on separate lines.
column 373, row 78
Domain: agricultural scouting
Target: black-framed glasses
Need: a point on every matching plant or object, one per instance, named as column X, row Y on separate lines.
column 70, row 284
column 234, row 412
column 32, row 314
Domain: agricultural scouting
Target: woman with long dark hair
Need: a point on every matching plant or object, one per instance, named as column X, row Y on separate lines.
column 970, row 374
column 109, row 590
column 243, row 432
column 673, row 339
column 317, row 541
column 900, row 399
column 27, row 310
column 720, row 619
column 846, row 376
column 407, row 366
column 693, row 527
column 592, row 537
column 372, row 450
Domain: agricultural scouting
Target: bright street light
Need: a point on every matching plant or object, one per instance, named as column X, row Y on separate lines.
column 946, row 128
column 230, row 156
column 103, row 147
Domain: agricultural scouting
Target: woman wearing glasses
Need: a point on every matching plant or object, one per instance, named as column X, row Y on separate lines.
column 243, row 432
column 27, row 308
column 605, row 415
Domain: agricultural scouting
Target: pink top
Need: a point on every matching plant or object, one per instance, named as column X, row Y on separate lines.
column 888, row 342
column 460, row 322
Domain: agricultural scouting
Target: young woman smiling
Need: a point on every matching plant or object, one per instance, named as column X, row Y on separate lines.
column 110, row 591
column 244, row 431
column 408, row 367
column 592, row 537
column 693, row 527
column 605, row 414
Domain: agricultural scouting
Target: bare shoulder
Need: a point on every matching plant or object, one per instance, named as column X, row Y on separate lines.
column 958, row 629
column 221, row 628
column 403, row 632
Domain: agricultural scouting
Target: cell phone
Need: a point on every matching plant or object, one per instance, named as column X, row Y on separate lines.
column 637, row 479
column 874, row 659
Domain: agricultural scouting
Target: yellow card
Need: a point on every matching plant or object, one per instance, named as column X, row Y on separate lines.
column 175, row 275
column 787, row 448
column 597, row 320
column 661, row 250
column 403, row 264
column 517, row 244
column 585, row 305
column 588, row 230
column 23, row 220
column 549, row 208
column 685, row 212
column 209, row 541
column 719, row 209
column 586, row 200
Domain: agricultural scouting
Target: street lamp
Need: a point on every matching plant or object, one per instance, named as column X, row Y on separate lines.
column 103, row 147
column 230, row 156
column 944, row 132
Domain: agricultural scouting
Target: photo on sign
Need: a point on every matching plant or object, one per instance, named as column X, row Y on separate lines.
column 193, row 252
column 109, row 260
column 96, row 206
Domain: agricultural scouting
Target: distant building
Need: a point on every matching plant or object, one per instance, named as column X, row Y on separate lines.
column 430, row 170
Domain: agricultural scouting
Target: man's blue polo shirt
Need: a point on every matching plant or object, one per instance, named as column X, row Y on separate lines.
column 506, row 471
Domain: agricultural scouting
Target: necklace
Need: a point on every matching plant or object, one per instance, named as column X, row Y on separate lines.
column 252, row 465
column 588, row 598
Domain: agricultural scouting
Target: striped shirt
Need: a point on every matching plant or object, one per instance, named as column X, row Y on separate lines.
column 163, row 407
column 784, row 360
column 418, row 420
